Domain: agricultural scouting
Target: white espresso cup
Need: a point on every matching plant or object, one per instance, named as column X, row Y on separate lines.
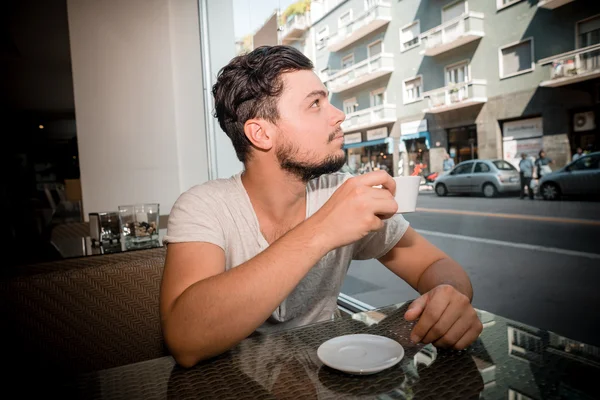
column 407, row 190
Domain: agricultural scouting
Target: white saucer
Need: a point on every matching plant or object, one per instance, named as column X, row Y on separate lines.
column 360, row 354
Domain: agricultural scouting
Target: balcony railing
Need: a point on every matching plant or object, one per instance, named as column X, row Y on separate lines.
column 365, row 71
column 374, row 18
column 572, row 67
column 456, row 96
column 370, row 117
column 294, row 28
column 552, row 4
column 454, row 33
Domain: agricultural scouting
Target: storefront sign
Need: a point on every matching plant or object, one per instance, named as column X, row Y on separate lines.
column 513, row 149
column 353, row 138
column 410, row 128
column 523, row 129
column 379, row 133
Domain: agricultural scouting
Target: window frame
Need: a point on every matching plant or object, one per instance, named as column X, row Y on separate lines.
column 349, row 56
column 577, row 44
column 513, row 44
column 402, row 48
column 489, row 170
column 404, row 99
column 471, row 163
column 500, row 6
column 467, row 62
column 320, row 42
column 375, row 92
column 351, row 99
column 350, row 12
column 373, row 43
column 449, row 5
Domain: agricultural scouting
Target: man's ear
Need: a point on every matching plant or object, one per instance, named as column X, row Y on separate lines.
column 258, row 131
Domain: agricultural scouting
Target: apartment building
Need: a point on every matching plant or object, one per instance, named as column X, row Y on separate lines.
column 419, row 79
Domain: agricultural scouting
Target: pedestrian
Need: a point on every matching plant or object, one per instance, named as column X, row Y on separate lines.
column 543, row 164
column 578, row 154
column 448, row 163
column 526, row 168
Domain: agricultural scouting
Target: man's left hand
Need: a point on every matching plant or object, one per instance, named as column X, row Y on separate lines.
column 446, row 319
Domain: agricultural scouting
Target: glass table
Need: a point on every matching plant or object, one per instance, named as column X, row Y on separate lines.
column 510, row 360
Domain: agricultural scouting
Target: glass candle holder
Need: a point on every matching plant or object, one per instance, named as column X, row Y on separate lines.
column 139, row 224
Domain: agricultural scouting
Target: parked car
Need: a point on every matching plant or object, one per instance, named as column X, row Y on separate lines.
column 488, row 177
column 580, row 177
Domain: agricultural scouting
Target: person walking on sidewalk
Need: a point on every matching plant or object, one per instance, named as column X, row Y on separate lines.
column 526, row 168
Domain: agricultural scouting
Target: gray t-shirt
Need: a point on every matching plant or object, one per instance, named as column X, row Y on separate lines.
column 220, row 212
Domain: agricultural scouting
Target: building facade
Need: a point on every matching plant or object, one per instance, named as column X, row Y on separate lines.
column 420, row 79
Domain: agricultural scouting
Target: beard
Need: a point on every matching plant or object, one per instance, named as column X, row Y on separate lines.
column 288, row 156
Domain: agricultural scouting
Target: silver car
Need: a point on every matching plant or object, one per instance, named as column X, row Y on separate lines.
column 489, row 177
column 580, row 177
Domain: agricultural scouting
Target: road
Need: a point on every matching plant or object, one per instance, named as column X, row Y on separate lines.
column 535, row 262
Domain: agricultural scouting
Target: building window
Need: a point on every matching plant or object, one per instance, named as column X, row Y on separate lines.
column 457, row 73
column 454, row 10
column 350, row 105
column 588, row 32
column 375, row 48
column 348, row 61
column 345, row 18
column 505, row 3
column 409, row 36
column 413, row 89
column 516, row 59
column 378, row 97
column 370, row 4
column 322, row 36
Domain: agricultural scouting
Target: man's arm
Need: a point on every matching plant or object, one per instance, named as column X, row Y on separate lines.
column 446, row 317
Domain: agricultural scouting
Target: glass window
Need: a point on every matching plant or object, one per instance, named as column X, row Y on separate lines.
column 350, row 105
column 409, row 36
column 516, row 58
column 462, row 169
column 504, row 166
column 375, row 48
column 345, row 18
column 458, row 73
column 412, row 89
column 481, row 168
column 348, row 61
column 377, row 97
column 454, row 11
column 589, row 162
column 322, row 36
column 589, row 32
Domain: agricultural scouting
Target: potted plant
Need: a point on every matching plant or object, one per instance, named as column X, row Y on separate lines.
column 300, row 7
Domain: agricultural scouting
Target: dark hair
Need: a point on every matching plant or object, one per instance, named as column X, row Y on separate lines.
column 249, row 86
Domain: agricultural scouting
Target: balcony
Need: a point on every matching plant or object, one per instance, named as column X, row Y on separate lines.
column 370, row 118
column 365, row 71
column 456, row 96
column 454, row 33
column 572, row 67
column 373, row 19
column 294, row 29
column 552, row 4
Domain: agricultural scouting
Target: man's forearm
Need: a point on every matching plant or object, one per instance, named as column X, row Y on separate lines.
column 215, row 314
column 445, row 272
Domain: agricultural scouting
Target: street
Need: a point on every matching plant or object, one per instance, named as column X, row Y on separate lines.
column 535, row 262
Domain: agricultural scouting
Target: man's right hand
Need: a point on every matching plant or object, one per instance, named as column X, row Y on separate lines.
column 356, row 208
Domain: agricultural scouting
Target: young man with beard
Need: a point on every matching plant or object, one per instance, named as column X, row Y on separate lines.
column 269, row 248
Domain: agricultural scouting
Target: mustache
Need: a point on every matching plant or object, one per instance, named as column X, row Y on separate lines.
column 335, row 134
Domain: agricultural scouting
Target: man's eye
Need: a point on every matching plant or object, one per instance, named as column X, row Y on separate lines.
column 315, row 103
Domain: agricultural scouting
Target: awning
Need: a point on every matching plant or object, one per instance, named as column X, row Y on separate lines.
column 369, row 143
column 418, row 135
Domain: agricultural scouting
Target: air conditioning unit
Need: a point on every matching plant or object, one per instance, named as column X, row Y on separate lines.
column 584, row 121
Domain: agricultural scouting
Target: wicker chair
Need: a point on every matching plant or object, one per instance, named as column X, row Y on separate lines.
column 83, row 319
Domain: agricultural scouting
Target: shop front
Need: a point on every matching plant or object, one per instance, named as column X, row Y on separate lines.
column 414, row 147
column 462, row 143
column 522, row 136
column 369, row 151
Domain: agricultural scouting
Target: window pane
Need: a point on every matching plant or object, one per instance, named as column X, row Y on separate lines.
column 454, row 11
column 516, row 58
column 375, row 49
column 503, row 165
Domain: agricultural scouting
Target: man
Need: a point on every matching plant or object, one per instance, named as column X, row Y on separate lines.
column 448, row 163
column 526, row 172
column 543, row 164
column 268, row 249
column 578, row 154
